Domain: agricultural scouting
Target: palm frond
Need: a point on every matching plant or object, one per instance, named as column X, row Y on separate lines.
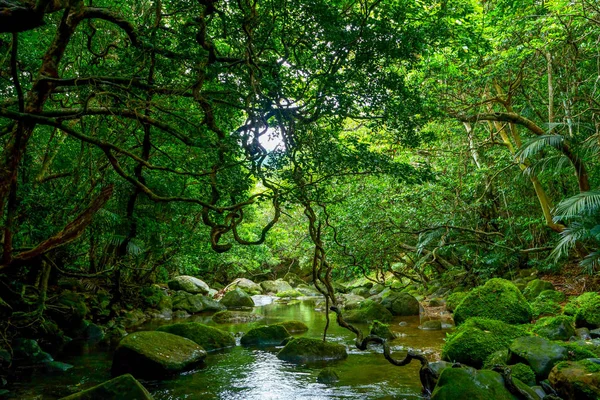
column 575, row 232
column 539, row 143
column 591, row 262
column 582, row 204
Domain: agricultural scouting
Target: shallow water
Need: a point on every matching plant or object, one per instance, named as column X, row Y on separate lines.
column 244, row 373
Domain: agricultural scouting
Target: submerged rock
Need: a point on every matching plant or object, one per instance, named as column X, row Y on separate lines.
column 155, row 355
column 369, row 311
column 206, row 336
column 402, row 304
column 237, row 298
column 268, row 335
column 306, row 350
column 294, row 326
column 327, row 376
column 539, row 353
column 474, row 341
column 124, row 387
column 467, row 383
column 433, row 325
column 189, row 284
column 235, row 317
column 577, row 380
column 498, row 299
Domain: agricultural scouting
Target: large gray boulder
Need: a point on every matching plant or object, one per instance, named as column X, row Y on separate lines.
column 124, row 387
column 237, row 298
column 188, row 284
column 539, row 353
column 402, row 304
column 276, row 286
column 155, row 355
column 248, row 286
column 194, row 303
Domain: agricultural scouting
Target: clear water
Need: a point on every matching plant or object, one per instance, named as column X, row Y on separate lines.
column 247, row 373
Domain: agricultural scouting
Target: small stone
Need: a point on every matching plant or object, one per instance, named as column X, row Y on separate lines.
column 328, row 376
column 434, row 325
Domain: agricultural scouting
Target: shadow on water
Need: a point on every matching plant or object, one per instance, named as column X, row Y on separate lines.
column 246, row 373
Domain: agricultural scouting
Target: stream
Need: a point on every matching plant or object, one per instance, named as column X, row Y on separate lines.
column 250, row 373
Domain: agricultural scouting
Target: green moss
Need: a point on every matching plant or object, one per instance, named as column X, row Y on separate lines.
column 590, row 366
column 474, row 341
column 454, row 300
column 369, row 311
column 588, row 314
column 524, row 373
column 294, row 326
column 237, row 298
column 289, row 293
column 303, row 350
column 153, row 296
column 576, row 352
column 561, row 327
column 124, row 387
column 497, row 299
column 544, row 308
column 268, row 335
column 382, row 330
column 327, row 375
column 500, row 357
column 235, row 317
column 553, row 295
column 206, row 336
column 535, row 287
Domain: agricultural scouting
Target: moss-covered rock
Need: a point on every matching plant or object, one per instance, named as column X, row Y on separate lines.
column 454, row 300
column 402, row 304
column 552, row 295
column 524, row 373
column 290, row 293
column 237, row 298
column 577, row 380
column 307, row 290
column 539, row 353
column 544, row 308
column 361, row 291
column 188, row 284
column 588, row 313
column 474, row 341
column 235, row 317
column 70, row 311
column 268, row 335
column 555, row 328
column 155, row 297
column 369, row 311
column 276, row 286
column 154, row 355
column 29, row 352
column 327, row 376
column 432, row 325
column 206, row 336
column 124, row 387
column 577, row 351
column 466, row 383
column 294, row 326
column 498, row 299
column 306, row 350
column 382, row 330
column 194, row 303
column 248, row 286
column 499, row 357
column 535, row 287
column 293, row 279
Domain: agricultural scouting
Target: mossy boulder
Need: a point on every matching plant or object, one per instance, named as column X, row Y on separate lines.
column 237, row 298
column 189, row 284
column 454, row 300
column 498, row 299
column 275, row 286
column 307, row 290
column 290, row 293
column 382, row 330
column 194, row 303
column 293, row 279
column 29, row 352
column 561, row 327
column 351, row 301
column 124, row 387
column 535, row 287
column 248, row 286
column 376, row 289
column 499, row 357
column 155, row 355
column 581, row 350
column 475, row 340
column 402, row 304
column 588, row 313
column 544, row 308
column 294, row 326
column 70, row 311
column 539, row 353
column 524, row 373
column 235, row 317
column 369, row 311
column 306, row 350
column 208, row 337
column 577, row 380
column 467, row 383
column 361, row 291
column 155, row 297
column 268, row 335
column 327, row 376
column 552, row 295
